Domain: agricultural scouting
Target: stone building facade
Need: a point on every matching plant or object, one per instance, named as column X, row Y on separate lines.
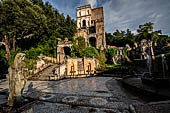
column 90, row 25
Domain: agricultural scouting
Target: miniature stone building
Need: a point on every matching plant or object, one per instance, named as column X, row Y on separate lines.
column 81, row 66
column 90, row 25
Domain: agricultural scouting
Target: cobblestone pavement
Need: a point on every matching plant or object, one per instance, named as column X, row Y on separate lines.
column 47, row 107
column 92, row 86
column 81, row 95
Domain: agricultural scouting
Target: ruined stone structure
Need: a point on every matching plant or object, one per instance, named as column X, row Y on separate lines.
column 63, row 50
column 141, row 51
column 119, row 58
column 90, row 25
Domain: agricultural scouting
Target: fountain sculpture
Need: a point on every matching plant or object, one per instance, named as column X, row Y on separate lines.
column 152, row 77
column 16, row 79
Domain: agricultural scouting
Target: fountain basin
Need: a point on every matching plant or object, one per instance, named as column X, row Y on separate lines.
column 158, row 82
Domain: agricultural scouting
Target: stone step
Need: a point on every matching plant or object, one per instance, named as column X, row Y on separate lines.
column 44, row 74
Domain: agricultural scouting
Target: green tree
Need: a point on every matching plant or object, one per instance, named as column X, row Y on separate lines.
column 78, row 47
column 146, row 32
column 120, row 38
column 57, row 27
column 20, row 20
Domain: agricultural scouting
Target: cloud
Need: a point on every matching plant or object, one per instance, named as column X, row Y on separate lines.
column 129, row 14
column 155, row 17
column 93, row 3
column 134, row 32
column 123, row 14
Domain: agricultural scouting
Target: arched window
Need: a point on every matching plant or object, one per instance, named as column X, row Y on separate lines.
column 88, row 23
column 79, row 13
column 80, row 24
column 67, row 51
column 84, row 23
column 92, row 41
column 88, row 12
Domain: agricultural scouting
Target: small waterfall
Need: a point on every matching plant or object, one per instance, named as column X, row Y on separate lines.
column 149, row 63
column 164, row 65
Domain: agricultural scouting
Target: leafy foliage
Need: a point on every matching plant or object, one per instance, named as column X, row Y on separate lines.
column 102, row 58
column 21, row 19
column 80, row 49
column 34, row 27
column 90, row 52
column 146, row 32
column 33, row 53
column 109, row 54
column 13, row 54
column 120, row 38
column 29, row 63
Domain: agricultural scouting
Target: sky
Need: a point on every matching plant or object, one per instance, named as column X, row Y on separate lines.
column 123, row 14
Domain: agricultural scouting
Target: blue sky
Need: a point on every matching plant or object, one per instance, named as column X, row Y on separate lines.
column 123, row 14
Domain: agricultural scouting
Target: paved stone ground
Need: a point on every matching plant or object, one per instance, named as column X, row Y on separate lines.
column 87, row 94
column 158, row 107
column 81, row 86
column 137, row 83
column 82, row 95
column 47, row 107
column 93, row 94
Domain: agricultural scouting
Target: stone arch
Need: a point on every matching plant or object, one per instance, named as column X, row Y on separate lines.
column 67, row 50
column 92, row 41
column 84, row 23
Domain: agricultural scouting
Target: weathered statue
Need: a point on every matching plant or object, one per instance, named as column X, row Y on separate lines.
column 16, row 79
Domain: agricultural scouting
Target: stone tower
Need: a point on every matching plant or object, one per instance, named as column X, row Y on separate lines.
column 90, row 25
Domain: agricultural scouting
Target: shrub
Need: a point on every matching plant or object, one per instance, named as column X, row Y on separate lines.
column 29, row 63
column 13, row 54
column 90, row 52
column 109, row 55
column 102, row 58
column 81, row 51
column 33, row 53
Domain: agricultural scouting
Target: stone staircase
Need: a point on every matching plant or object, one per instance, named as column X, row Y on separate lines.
column 45, row 74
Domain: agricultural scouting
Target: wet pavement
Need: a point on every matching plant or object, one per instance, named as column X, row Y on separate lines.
column 97, row 94
column 80, row 95
column 92, row 86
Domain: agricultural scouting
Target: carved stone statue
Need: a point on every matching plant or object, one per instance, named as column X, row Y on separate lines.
column 16, row 79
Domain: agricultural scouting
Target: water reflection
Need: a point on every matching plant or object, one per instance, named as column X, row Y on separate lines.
column 83, row 86
column 93, row 86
